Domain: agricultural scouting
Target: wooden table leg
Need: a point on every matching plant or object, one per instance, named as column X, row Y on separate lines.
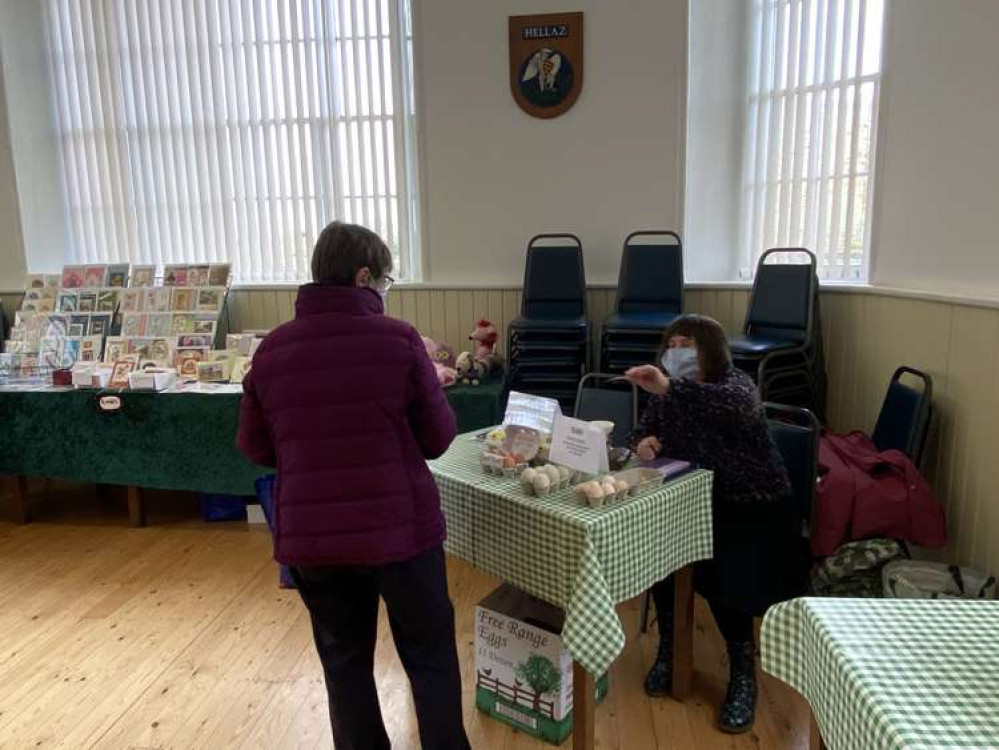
column 584, row 704
column 136, row 506
column 815, row 738
column 683, row 632
column 22, row 503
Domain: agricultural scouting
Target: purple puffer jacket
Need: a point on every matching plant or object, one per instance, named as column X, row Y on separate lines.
column 346, row 403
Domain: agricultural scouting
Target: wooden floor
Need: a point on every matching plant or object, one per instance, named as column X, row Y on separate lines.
column 176, row 636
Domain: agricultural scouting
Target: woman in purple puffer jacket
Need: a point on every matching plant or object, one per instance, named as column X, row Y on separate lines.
column 344, row 401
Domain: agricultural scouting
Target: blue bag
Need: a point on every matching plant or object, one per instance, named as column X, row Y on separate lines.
column 265, row 494
column 222, row 507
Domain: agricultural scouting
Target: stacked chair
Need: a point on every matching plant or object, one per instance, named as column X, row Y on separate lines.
column 649, row 297
column 548, row 343
column 781, row 345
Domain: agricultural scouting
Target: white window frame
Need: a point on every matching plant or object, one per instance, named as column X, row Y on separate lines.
column 784, row 207
column 241, row 151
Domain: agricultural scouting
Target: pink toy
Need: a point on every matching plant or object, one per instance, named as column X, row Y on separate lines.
column 485, row 337
column 475, row 366
column 440, row 355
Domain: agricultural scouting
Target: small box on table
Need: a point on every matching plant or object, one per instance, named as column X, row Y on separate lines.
column 152, row 379
column 523, row 671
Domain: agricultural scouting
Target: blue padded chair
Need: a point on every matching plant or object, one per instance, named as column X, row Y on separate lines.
column 795, row 432
column 649, row 284
column 904, row 420
column 617, row 404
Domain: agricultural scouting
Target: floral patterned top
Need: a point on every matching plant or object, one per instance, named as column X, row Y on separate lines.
column 722, row 427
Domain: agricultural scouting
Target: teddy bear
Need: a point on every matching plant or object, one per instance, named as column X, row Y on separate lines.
column 470, row 370
column 441, row 356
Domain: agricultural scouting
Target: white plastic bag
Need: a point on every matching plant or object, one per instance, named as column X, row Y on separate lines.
column 920, row 579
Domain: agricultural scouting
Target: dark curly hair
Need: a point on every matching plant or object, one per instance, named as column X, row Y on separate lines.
column 713, row 354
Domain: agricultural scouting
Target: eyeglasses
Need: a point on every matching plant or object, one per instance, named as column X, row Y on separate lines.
column 386, row 282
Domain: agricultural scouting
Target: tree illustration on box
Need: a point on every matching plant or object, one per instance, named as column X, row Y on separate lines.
column 541, row 675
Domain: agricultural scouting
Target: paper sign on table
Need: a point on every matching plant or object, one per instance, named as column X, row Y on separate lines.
column 579, row 445
column 536, row 412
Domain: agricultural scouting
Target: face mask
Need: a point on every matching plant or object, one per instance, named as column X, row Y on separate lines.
column 380, row 290
column 681, row 363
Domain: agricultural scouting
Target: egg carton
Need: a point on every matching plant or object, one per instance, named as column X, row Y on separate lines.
column 639, row 482
column 565, row 481
column 494, row 465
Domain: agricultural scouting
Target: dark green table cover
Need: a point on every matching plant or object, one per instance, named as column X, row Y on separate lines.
column 170, row 441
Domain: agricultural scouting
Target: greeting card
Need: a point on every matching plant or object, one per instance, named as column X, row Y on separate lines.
column 118, row 275
column 143, row 276
column 175, row 276
column 100, row 324
column 72, row 277
column 183, row 299
column 87, row 302
column 95, row 276
column 107, row 300
column 218, row 274
column 68, row 301
column 210, row 299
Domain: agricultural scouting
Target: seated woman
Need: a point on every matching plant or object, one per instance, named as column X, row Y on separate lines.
column 705, row 411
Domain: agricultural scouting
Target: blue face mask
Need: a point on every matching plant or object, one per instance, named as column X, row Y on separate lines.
column 681, row 363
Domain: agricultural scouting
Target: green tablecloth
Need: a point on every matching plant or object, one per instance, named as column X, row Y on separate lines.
column 477, row 406
column 582, row 559
column 891, row 674
column 171, row 441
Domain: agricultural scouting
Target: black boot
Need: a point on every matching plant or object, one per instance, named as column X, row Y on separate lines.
column 659, row 680
column 739, row 709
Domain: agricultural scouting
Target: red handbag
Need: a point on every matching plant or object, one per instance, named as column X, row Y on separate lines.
column 864, row 493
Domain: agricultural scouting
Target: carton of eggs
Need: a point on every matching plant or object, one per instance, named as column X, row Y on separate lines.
column 602, row 490
column 545, row 479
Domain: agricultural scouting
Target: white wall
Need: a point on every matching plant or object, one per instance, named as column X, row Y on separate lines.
column 29, row 111
column 937, row 224
column 11, row 239
column 716, row 117
column 493, row 176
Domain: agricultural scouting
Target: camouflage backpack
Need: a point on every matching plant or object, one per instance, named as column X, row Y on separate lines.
column 854, row 570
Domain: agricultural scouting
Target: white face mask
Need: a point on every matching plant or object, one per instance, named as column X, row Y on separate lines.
column 681, row 363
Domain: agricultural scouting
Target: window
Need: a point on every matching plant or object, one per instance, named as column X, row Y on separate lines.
column 233, row 130
column 814, row 84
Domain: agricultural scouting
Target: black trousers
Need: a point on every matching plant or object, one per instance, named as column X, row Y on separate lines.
column 343, row 604
column 735, row 624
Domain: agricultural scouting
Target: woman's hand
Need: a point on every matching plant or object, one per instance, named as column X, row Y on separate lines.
column 649, row 448
column 649, row 378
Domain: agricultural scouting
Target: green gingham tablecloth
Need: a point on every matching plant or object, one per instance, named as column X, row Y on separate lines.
column 581, row 559
column 898, row 674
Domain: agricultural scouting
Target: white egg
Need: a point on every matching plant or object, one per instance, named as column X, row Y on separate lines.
column 542, row 485
column 553, row 473
column 564, row 473
column 527, row 478
column 594, row 496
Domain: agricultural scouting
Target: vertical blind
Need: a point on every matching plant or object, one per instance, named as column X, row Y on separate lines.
column 233, row 130
column 814, row 84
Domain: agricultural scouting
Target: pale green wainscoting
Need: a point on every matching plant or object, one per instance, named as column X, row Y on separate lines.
column 867, row 334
